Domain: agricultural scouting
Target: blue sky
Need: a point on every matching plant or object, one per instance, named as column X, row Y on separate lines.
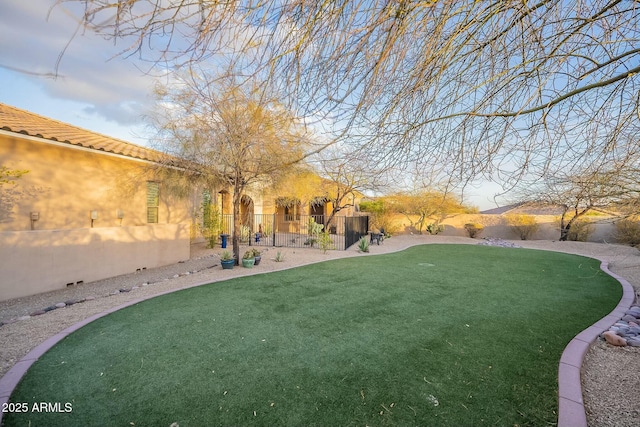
column 94, row 88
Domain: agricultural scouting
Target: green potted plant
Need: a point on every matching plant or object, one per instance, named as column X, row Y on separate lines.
column 226, row 260
column 257, row 256
column 248, row 260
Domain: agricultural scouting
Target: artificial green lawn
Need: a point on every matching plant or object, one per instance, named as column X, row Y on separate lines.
column 433, row 335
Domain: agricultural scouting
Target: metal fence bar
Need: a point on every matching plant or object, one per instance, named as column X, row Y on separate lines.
column 301, row 231
column 355, row 228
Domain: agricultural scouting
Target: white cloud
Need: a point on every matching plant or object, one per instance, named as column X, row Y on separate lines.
column 34, row 35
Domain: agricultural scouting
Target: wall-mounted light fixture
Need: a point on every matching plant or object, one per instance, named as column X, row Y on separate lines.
column 34, row 217
column 120, row 215
column 93, row 215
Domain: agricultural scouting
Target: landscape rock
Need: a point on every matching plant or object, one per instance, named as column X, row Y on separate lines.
column 37, row 313
column 633, row 341
column 628, row 318
column 622, row 331
column 24, row 318
column 61, row 305
column 493, row 241
column 614, row 339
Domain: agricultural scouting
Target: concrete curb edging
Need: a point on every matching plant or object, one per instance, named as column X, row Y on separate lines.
column 571, row 412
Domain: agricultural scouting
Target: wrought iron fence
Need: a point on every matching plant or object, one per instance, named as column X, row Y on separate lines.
column 298, row 232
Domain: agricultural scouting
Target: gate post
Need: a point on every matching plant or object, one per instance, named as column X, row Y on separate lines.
column 273, row 228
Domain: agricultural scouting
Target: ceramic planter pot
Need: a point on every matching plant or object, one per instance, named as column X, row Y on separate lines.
column 228, row 264
column 258, row 258
column 248, row 262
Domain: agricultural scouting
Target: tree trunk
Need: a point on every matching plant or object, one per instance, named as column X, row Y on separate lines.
column 237, row 223
column 329, row 220
column 564, row 228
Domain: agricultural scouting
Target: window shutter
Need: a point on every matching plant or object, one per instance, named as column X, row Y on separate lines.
column 153, row 201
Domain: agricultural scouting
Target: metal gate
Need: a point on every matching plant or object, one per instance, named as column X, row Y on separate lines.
column 298, row 231
column 355, row 228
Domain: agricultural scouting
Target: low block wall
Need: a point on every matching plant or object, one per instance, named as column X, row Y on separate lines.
column 496, row 226
column 33, row 262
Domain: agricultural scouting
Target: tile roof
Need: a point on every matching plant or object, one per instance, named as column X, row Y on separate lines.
column 13, row 119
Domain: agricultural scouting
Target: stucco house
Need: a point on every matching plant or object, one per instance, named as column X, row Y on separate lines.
column 88, row 207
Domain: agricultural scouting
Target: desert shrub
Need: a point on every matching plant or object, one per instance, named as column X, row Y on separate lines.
column 628, row 232
column 473, row 229
column 389, row 226
column 325, row 242
column 363, row 245
column 580, row 231
column 211, row 222
column 435, row 228
column 245, row 233
column 525, row 226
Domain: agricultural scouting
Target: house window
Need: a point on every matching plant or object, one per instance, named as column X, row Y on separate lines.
column 153, row 200
column 292, row 213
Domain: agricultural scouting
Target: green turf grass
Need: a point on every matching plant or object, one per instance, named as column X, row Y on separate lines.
column 446, row 335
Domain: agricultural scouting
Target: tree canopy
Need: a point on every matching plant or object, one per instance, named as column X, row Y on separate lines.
column 509, row 90
column 228, row 135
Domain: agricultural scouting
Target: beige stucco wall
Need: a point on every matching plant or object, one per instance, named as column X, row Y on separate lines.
column 496, row 226
column 65, row 183
column 33, row 262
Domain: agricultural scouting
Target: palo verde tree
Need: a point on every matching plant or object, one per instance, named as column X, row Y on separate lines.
column 233, row 135
column 345, row 176
column 502, row 89
column 614, row 190
column 426, row 204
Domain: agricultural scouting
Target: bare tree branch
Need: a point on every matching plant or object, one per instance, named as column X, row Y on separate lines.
column 501, row 89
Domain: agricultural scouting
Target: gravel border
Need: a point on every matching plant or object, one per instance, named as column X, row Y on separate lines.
column 607, row 403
